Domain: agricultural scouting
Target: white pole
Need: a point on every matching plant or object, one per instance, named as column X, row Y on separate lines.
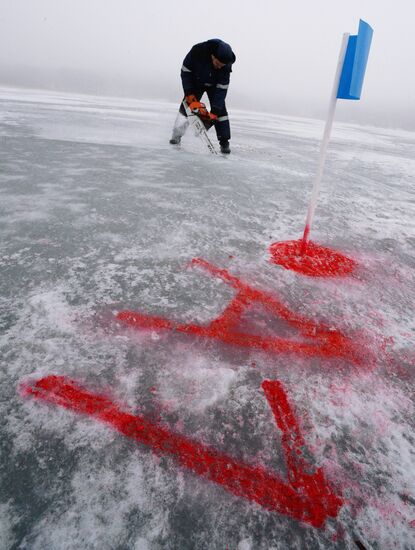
column 324, row 144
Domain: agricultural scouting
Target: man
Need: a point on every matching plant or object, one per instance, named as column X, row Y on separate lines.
column 207, row 68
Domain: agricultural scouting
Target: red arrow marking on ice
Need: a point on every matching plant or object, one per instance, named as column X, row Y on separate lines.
column 319, row 339
column 306, row 496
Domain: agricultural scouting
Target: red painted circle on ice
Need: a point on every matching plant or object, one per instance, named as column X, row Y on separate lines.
column 316, row 261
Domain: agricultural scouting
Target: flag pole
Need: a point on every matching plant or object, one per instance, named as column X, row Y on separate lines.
column 324, row 144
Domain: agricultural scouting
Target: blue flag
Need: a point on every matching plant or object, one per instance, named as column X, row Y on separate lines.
column 355, row 61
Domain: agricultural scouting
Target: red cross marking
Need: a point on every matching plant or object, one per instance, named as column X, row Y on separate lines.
column 318, row 339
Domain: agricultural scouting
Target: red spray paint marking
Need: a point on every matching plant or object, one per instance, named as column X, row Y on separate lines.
column 318, row 338
column 307, row 497
column 311, row 259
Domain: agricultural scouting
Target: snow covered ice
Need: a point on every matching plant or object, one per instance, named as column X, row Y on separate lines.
column 99, row 214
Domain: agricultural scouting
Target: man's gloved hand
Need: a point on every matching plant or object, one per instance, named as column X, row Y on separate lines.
column 209, row 120
column 208, row 117
column 199, row 109
column 191, row 98
column 203, row 112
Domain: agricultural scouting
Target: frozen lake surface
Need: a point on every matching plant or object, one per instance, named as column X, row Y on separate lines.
column 99, row 215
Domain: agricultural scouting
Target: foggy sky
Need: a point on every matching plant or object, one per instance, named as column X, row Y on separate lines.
column 286, row 51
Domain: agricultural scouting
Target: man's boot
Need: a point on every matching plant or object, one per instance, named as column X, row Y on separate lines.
column 179, row 129
column 224, row 146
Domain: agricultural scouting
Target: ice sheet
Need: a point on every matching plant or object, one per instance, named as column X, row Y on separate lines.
column 100, row 214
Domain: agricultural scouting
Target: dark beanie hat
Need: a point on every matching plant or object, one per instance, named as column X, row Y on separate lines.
column 224, row 53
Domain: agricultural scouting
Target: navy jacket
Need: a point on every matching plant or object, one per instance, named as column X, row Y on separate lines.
column 198, row 72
